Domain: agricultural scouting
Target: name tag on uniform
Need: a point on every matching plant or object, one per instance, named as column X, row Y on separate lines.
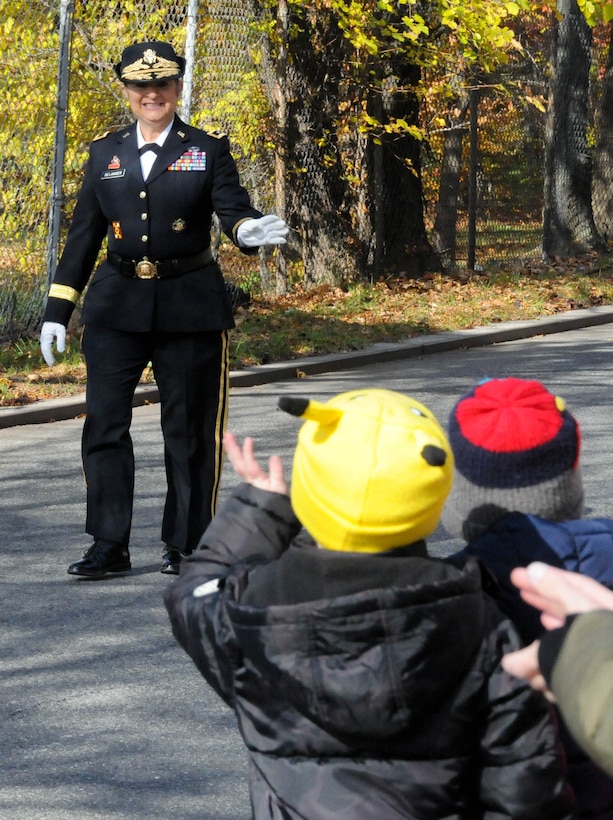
column 192, row 160
column 114, row 174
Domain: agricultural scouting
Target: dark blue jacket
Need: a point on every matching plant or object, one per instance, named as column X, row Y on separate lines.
column 583, row 545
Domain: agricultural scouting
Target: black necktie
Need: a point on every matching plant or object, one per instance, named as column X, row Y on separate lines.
column 149, row 146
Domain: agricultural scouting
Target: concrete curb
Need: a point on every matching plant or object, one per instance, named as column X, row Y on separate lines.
column 74, row 406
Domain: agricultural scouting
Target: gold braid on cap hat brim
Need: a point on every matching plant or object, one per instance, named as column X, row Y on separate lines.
column 151, row 70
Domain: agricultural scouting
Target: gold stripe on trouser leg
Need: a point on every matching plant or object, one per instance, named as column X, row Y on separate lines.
column 222, row 415
column 82, row 464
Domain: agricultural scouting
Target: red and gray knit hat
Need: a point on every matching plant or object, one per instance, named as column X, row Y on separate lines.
column 516, row 449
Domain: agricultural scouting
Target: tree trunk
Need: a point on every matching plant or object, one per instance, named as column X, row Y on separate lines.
column 395, row 169
column 602, row 188
column 355, row 207
column 444, row 235
column 568, row 222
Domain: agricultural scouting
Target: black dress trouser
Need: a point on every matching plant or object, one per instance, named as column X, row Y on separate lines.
column 192, row 374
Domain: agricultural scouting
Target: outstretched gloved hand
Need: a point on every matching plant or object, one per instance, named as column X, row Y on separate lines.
column 267, row 230
column 50, row 332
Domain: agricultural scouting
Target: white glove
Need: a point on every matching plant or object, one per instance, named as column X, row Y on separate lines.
column 267, row 230
column 51, row 331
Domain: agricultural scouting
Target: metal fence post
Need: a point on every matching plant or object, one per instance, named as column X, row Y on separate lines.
column 472, row 178
column 59, row 149
column 190, row 48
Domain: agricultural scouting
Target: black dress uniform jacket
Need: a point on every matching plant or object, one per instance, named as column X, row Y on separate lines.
column 167, row 217
column 366, row 687
column 179, row 323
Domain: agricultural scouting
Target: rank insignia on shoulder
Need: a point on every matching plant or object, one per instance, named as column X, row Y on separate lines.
column 101, row 136
column 217, row 134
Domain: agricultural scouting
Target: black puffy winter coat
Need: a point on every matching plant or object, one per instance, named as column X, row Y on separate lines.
column 366, row 687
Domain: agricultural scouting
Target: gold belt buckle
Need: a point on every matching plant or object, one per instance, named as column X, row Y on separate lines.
column 146, row 269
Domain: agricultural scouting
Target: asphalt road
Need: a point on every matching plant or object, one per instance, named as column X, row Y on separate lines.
column 102, row 714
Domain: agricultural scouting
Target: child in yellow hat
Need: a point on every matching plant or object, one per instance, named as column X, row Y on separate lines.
column 365, row 675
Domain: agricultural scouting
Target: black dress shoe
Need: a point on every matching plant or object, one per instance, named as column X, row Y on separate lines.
column 102, row 558
column 171, row 560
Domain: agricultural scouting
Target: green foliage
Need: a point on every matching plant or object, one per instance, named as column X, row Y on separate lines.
column 596, row 11
column 452, row 41
column 250, row 282
column 27, row 51
column 244, row 106
column 456, row 44
column 478, row 30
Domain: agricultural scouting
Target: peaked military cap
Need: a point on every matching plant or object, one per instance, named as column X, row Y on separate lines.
column 147, row 62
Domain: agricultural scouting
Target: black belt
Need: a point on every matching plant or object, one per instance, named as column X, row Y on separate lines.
column 146, row 269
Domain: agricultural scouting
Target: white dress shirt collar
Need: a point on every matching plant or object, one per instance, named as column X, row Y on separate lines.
column 148, row 158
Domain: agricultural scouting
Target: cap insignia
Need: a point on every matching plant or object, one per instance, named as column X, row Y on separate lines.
column 150, row 67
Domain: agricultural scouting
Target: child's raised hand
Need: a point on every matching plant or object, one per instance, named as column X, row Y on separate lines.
column 558, row 593
column 524, row 663
column 247, row 467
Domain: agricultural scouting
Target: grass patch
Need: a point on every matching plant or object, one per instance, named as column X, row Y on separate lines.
column 336, row 320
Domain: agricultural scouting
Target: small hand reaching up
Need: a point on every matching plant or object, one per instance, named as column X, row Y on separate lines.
column 557, row 593
column 524, row 663
column 247, row 467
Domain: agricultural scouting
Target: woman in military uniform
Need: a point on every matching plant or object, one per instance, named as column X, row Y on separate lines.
column 151, row 189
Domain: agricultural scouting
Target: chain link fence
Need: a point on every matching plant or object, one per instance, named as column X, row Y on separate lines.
column 28, row 48
column 490, row 212
column 56, row 65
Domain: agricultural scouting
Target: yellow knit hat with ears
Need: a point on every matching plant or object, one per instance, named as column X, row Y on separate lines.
column 371, row 471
